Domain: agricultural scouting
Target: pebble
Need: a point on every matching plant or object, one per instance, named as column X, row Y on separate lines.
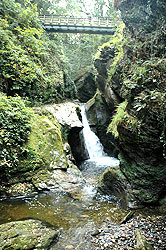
column 113, row 236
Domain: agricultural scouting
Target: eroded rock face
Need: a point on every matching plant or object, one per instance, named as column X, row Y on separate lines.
column 114, row 182
column 98, row 115
column 47, row 163
column 86, row 87
column 68, row 115
column 28, row 234
column 138, row 77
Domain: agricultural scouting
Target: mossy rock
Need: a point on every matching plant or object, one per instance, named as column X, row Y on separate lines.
column 146, row 179
column 112, row 181
column 43, row 153
column 162, row 203
column 44, row 147
column 28, row 234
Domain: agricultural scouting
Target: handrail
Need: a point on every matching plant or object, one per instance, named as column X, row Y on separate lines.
column 76, row 21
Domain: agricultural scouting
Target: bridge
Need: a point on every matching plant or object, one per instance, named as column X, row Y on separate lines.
column 70, row 24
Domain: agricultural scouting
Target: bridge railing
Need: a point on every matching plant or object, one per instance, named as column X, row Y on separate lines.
column 76, row 21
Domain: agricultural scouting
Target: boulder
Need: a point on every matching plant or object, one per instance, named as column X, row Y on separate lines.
column 69, row 181
column 142, row 243
column 28, row 234
column 86, row 87
column 68, row 115
column 114, row 182
column 45, row 165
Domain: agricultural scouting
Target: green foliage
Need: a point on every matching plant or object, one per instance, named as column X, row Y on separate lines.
column 116, row 43
column 15, row 128
column 122, row 116
column 31, row 64
column 117, row 119
column 79, row 50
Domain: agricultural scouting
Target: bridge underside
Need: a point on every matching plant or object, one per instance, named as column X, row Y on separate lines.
column 79, row 29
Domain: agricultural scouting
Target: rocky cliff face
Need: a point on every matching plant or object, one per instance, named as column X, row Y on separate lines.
column 132, row 72
column 86, row 86
column 47, row 160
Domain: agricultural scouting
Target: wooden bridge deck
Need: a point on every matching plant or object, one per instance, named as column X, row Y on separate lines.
column 67, row 24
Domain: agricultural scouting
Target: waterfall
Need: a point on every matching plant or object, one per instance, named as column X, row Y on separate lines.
column 93, row 144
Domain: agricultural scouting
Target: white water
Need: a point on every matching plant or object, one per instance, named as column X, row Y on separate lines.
column 93, row 144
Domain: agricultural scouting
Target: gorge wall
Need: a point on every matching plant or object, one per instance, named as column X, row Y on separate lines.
column 131, row 74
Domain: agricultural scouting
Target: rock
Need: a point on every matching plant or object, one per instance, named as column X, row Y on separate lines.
column 127, row 217
column 18, row 189
column 99, row 113
column 45, row 164
column 86, row 87
column 162, row 203
column 142, row 243
column 112, row 182
column 95, row 232
column 46, row 140
column 66, row 114
column 28, row 234
column 127, row 71
column 69, row 181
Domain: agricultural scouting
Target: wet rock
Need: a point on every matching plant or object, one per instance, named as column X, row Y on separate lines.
column 66, row 114
column 46, row 164
column 113, row 182
column 99, row 113
column 17, row 189
column 142, row 243
column 127, row 217
column 66, row 181
column 142, row 128
column 28, row 234
column 95, row 232
column 86, row 87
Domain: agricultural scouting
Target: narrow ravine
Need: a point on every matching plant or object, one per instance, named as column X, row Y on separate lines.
column 77, row 217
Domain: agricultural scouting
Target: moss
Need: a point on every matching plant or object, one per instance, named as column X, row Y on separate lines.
column 162, row 203
column 112, row 181
column 29, row 234
column 115, row 40
column 44, row 147
column 117, row 118
column 144, row 178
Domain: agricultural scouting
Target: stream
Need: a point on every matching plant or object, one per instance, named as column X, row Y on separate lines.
column 75, row 218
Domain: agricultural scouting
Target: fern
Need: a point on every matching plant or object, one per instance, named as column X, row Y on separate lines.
column 118, row 117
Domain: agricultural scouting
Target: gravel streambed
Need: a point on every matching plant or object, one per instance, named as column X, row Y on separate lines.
column 113, row 236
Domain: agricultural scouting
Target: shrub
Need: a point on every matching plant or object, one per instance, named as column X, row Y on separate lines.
column 15, row 128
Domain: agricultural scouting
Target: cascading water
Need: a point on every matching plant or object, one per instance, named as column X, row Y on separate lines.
column 75, row 215
column 98, row 162
column 76, row 218
column 93, row 144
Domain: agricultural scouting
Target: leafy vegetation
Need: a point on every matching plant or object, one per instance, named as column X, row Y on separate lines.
column 39, row 67
column 122, row 116
column 118, row 117
column 31, row 64
column 15, row 127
